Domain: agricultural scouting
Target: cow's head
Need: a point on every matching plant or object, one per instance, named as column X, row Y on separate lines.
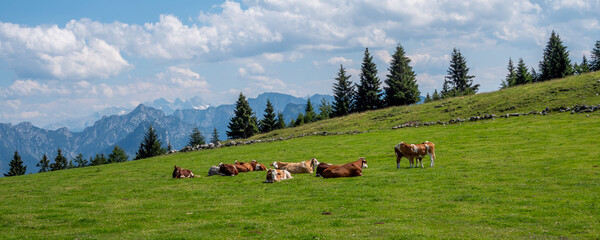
column 364, row 162
column 176, row 172
column 315, row 162
column 274, row 164
column 254, row 161
column 271, row 175
column 257, row 167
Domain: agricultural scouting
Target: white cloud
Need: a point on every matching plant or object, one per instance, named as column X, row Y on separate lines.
column 339, row 60
column 427, row 59
column 273, row 57
column 383, row 55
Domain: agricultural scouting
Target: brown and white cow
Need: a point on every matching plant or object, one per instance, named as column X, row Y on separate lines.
column 321, row 167
column 228, row 169
column 182, row 173
column 258, row 166
column 243, row 167
column 415, row 152
column 299, row 167
column 276, row 175
column 351, row 169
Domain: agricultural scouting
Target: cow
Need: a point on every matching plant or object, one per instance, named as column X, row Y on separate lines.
column 214, row 170
column 228, row 169
column 258, row 166
column 415, row 152
column 182, row 173
column 321, row 167
column 243, row 167
column 276, row 175
column 351, row 169
column 299, row 167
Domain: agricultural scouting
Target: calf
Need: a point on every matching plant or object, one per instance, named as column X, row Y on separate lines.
column 351, row 169
column 214, row 170
column 414, row 151
column 228, row 169
column 258, row 166
column 243, row 167
column 276, row 175
column 182, row 173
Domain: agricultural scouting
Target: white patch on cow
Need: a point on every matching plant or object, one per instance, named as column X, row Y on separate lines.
column 414, row 148
column 257, row 167
column 275, row 164
column 191, row 174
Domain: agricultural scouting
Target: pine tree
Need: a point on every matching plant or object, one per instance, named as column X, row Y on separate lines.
column 44, row 164
column 196, row 138
column 70, row 164
column 268, row 122
column 325, row 109
column 100, row 159
column 81, row 162
column 509, row 80
column 458, row 82
column 522, row 76
column 292, row 123
column 427, row 98
column 280, row 121
column 16, row 166
column 243, row 124
column 595, row 63
column 299, row 120
column 60, row 162
column 436, row 96
column 584, row 67
column 555, row 62
column 215, row 136
column 535, row 77
column 343, row 94
column 150, row 146
column 368, row 92
column 309, row 113
column 402, row 87
column 117, row 155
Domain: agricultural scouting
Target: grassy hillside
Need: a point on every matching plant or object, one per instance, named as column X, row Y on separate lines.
column 526, row 177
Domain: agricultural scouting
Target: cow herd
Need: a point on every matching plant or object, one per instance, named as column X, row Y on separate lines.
column 284, row 170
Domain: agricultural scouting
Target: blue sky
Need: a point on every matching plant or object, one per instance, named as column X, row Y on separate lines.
column 69, row 59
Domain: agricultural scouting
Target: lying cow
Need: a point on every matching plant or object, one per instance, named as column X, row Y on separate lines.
column 414, row 152
column 321, row 167
column 243, row 167
column 228, row 169
column 258, row 166
column 300, row 167
column 276, row 175
column 182, row 173
column 214, row 170
column 351, row 169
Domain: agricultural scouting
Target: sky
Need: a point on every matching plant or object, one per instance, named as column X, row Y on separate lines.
column 68, row 59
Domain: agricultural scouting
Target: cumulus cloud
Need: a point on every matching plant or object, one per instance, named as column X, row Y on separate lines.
column 339, row 60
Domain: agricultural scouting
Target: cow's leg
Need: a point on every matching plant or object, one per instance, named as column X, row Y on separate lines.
column 398, row 158
column 432, row 158
column 421, row 161
column 411, row 161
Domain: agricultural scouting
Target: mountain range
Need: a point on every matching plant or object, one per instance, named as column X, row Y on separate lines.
column 173, row 122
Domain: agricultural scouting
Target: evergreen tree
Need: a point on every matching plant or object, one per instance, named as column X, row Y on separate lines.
column 458, row 82
column 70, row 164
column 309, row 113
column 299, row 120
column 325, row 109
column 243, row 124
column 555, row 62
column 280, row 121
column 535, row 77
column 427, row 98
column 150, row 146
column 81, row 162
column 402, row 87
column 368, row 92
column 343, row 93
column 100, row 159
column 595, row 63
column 436, row 96
column 44, row 164
column 583, row 67
column 215, row 136
column 16, row 166
column 117, row 155
column 509, row 80
column 60, row 162
column 522, row 76
column 196, row 138
column 268, row 122
column 292, row 123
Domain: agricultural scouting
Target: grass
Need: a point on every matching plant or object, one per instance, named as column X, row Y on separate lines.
column 523, row 177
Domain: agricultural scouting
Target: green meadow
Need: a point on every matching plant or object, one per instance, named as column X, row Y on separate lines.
column 507, row 178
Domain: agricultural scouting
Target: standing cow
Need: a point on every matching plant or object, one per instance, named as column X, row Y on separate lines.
column 414, row 152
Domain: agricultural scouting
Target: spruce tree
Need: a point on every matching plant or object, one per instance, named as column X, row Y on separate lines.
column 81, row 162
column 555, row 62
column 44, row 164
column 522, row 76
column 325, row 109
column 343, row 93
column 595, row 63
column 60, row 161
column 535, row 77
column 299, row 120
column 436, row 96
column 243, row 124
column 100, row 159
column 196, row 138
column 458, row 82
column 16, row 166
column 509, row 80
column 368, row 92
column 215, row 136
column 402, row 87
column 150, row 146
column 427, row 98
column 309, row 112
column 268, row 122
column 280, row 121
column 70, row 164
column 584, row 67
column 117, row 155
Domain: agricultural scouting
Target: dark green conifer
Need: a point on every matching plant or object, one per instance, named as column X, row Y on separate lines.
column 343, row 93
column 268, row 122
column 196, row 138
column 555, row 62
column 368, row 91
column 117, row 155
column 44, row 164
column 244, row 123
column 60, row 161
column 402, row 87
column 458, row 82
column 150, row 146
column 215, row 136
column 16, row 166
